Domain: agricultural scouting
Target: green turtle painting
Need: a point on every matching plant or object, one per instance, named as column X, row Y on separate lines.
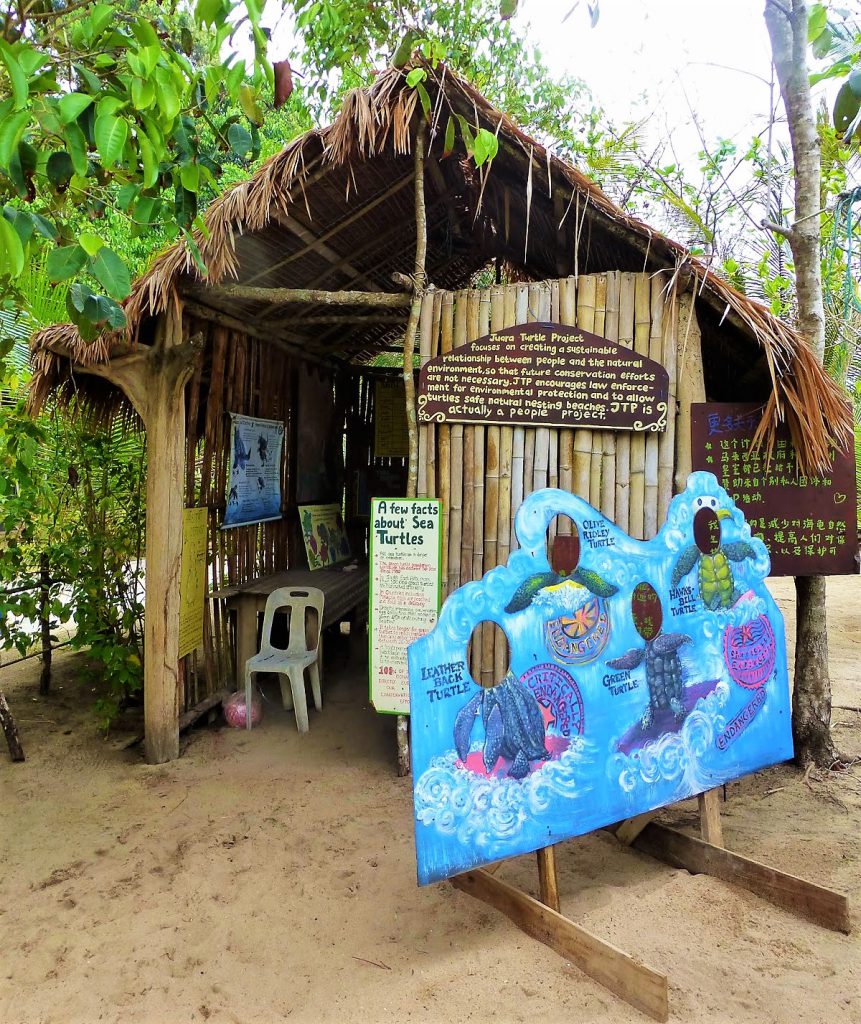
column 715, row 576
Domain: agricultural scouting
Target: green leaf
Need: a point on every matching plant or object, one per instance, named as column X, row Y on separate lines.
column 90, row 243
column 59, row 169
column 424, row 99
column 817, row 21
column 239, row 139
column 189, row 175
column 11, row 130
column 248, row 104
column 111, row 273
column 208, row 12
column 145, row 34
column 143, row 93
column 485, row 147
column 195, row 253
column 854, row 81
column 17, row 76
column 448, row 144
column 166, row 95
column 65, row 262
column 43, row 227
column 846, row 108
column 20, row 221
column 150, row 164
column 72, row 105
column 99, row 18
column 111, row 136
column 415, row 76
column 76, row 145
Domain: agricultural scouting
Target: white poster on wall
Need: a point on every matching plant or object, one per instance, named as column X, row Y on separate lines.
column 406, row 548
column 253, row 471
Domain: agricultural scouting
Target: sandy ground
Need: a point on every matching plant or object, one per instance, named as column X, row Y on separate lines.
column 267, row 877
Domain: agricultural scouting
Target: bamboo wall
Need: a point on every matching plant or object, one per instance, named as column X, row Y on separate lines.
column 482, row 473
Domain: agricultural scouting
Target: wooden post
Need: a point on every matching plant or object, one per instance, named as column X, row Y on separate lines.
column 419, row 279
column 169, row 368
column 710, row 823
column 45, row 623
column 691, row 384
column 548, row 886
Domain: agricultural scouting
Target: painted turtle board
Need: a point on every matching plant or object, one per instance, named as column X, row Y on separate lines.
column 651, row 673
column 406, row 555
column 546, row 375
column 323, row 532
column 808, row 523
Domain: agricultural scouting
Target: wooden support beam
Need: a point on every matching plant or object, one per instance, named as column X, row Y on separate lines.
column 710, row 823
column 814, row 902
column 603, row 962
column 283, row 296
column 548, row 886
column 627, row 831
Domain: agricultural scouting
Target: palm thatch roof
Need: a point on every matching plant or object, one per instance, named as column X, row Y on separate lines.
column 334, row 210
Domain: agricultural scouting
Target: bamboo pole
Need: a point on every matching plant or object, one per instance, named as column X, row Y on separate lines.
column 667, row 440
column 568, row 316
column 691, row 384
column 480, row 531
column 608, row 437
column 539, row 302
column 595, row 465
column 553, row 471
column 586, row 289
column 623, row 441
column 425, row 335
column 470, row 302
column 444, row 432
column 518, row 443
column 642, row 327
column 656, row 351
column 456, row 534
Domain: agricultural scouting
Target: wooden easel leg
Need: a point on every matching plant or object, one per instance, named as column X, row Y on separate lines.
column 403, row 735
column 605, row 963
column 710, row 823
column 627, row 831
column 547, row 885
column 814, row 902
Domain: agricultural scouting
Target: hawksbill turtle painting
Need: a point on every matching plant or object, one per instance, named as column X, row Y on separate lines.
column 667, row 705
column 714, row 572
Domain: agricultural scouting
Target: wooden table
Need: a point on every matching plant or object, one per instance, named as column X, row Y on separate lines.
column 346, row 593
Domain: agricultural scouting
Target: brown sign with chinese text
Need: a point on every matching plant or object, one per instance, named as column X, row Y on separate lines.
column 808, row 524
column 545, row 375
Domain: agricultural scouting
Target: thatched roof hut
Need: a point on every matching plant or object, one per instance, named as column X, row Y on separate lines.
column 334, row 211
column 311, row 263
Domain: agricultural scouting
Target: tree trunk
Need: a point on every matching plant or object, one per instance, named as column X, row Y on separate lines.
column 787, row 27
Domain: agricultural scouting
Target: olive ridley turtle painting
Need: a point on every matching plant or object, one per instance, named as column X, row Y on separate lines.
column 655, row 671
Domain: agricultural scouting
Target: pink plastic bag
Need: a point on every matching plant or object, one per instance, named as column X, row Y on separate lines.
column 234, row 710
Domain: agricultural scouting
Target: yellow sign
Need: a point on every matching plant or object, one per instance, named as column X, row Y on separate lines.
column 192, row 581
column 391, row 439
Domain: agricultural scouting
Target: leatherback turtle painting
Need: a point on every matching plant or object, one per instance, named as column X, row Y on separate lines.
column 630, row 686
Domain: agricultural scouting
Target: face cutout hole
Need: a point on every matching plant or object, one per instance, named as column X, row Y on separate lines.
column 707, row 527
column 563, row 544
column 488, row 654
column 646, row 610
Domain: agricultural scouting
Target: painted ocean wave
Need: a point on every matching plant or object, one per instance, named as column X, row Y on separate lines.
column 489, row 812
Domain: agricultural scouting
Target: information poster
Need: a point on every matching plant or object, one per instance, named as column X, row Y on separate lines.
column 391, row 438
column 807, row 522
column 406, row 546
column 545, row 375
column 323, row 531
column 192, row 580
column 254, row 471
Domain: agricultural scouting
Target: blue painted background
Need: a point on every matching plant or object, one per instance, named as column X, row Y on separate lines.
column 599, row 759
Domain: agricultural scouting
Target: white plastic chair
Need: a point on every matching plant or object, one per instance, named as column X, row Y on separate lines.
column 303, row 651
